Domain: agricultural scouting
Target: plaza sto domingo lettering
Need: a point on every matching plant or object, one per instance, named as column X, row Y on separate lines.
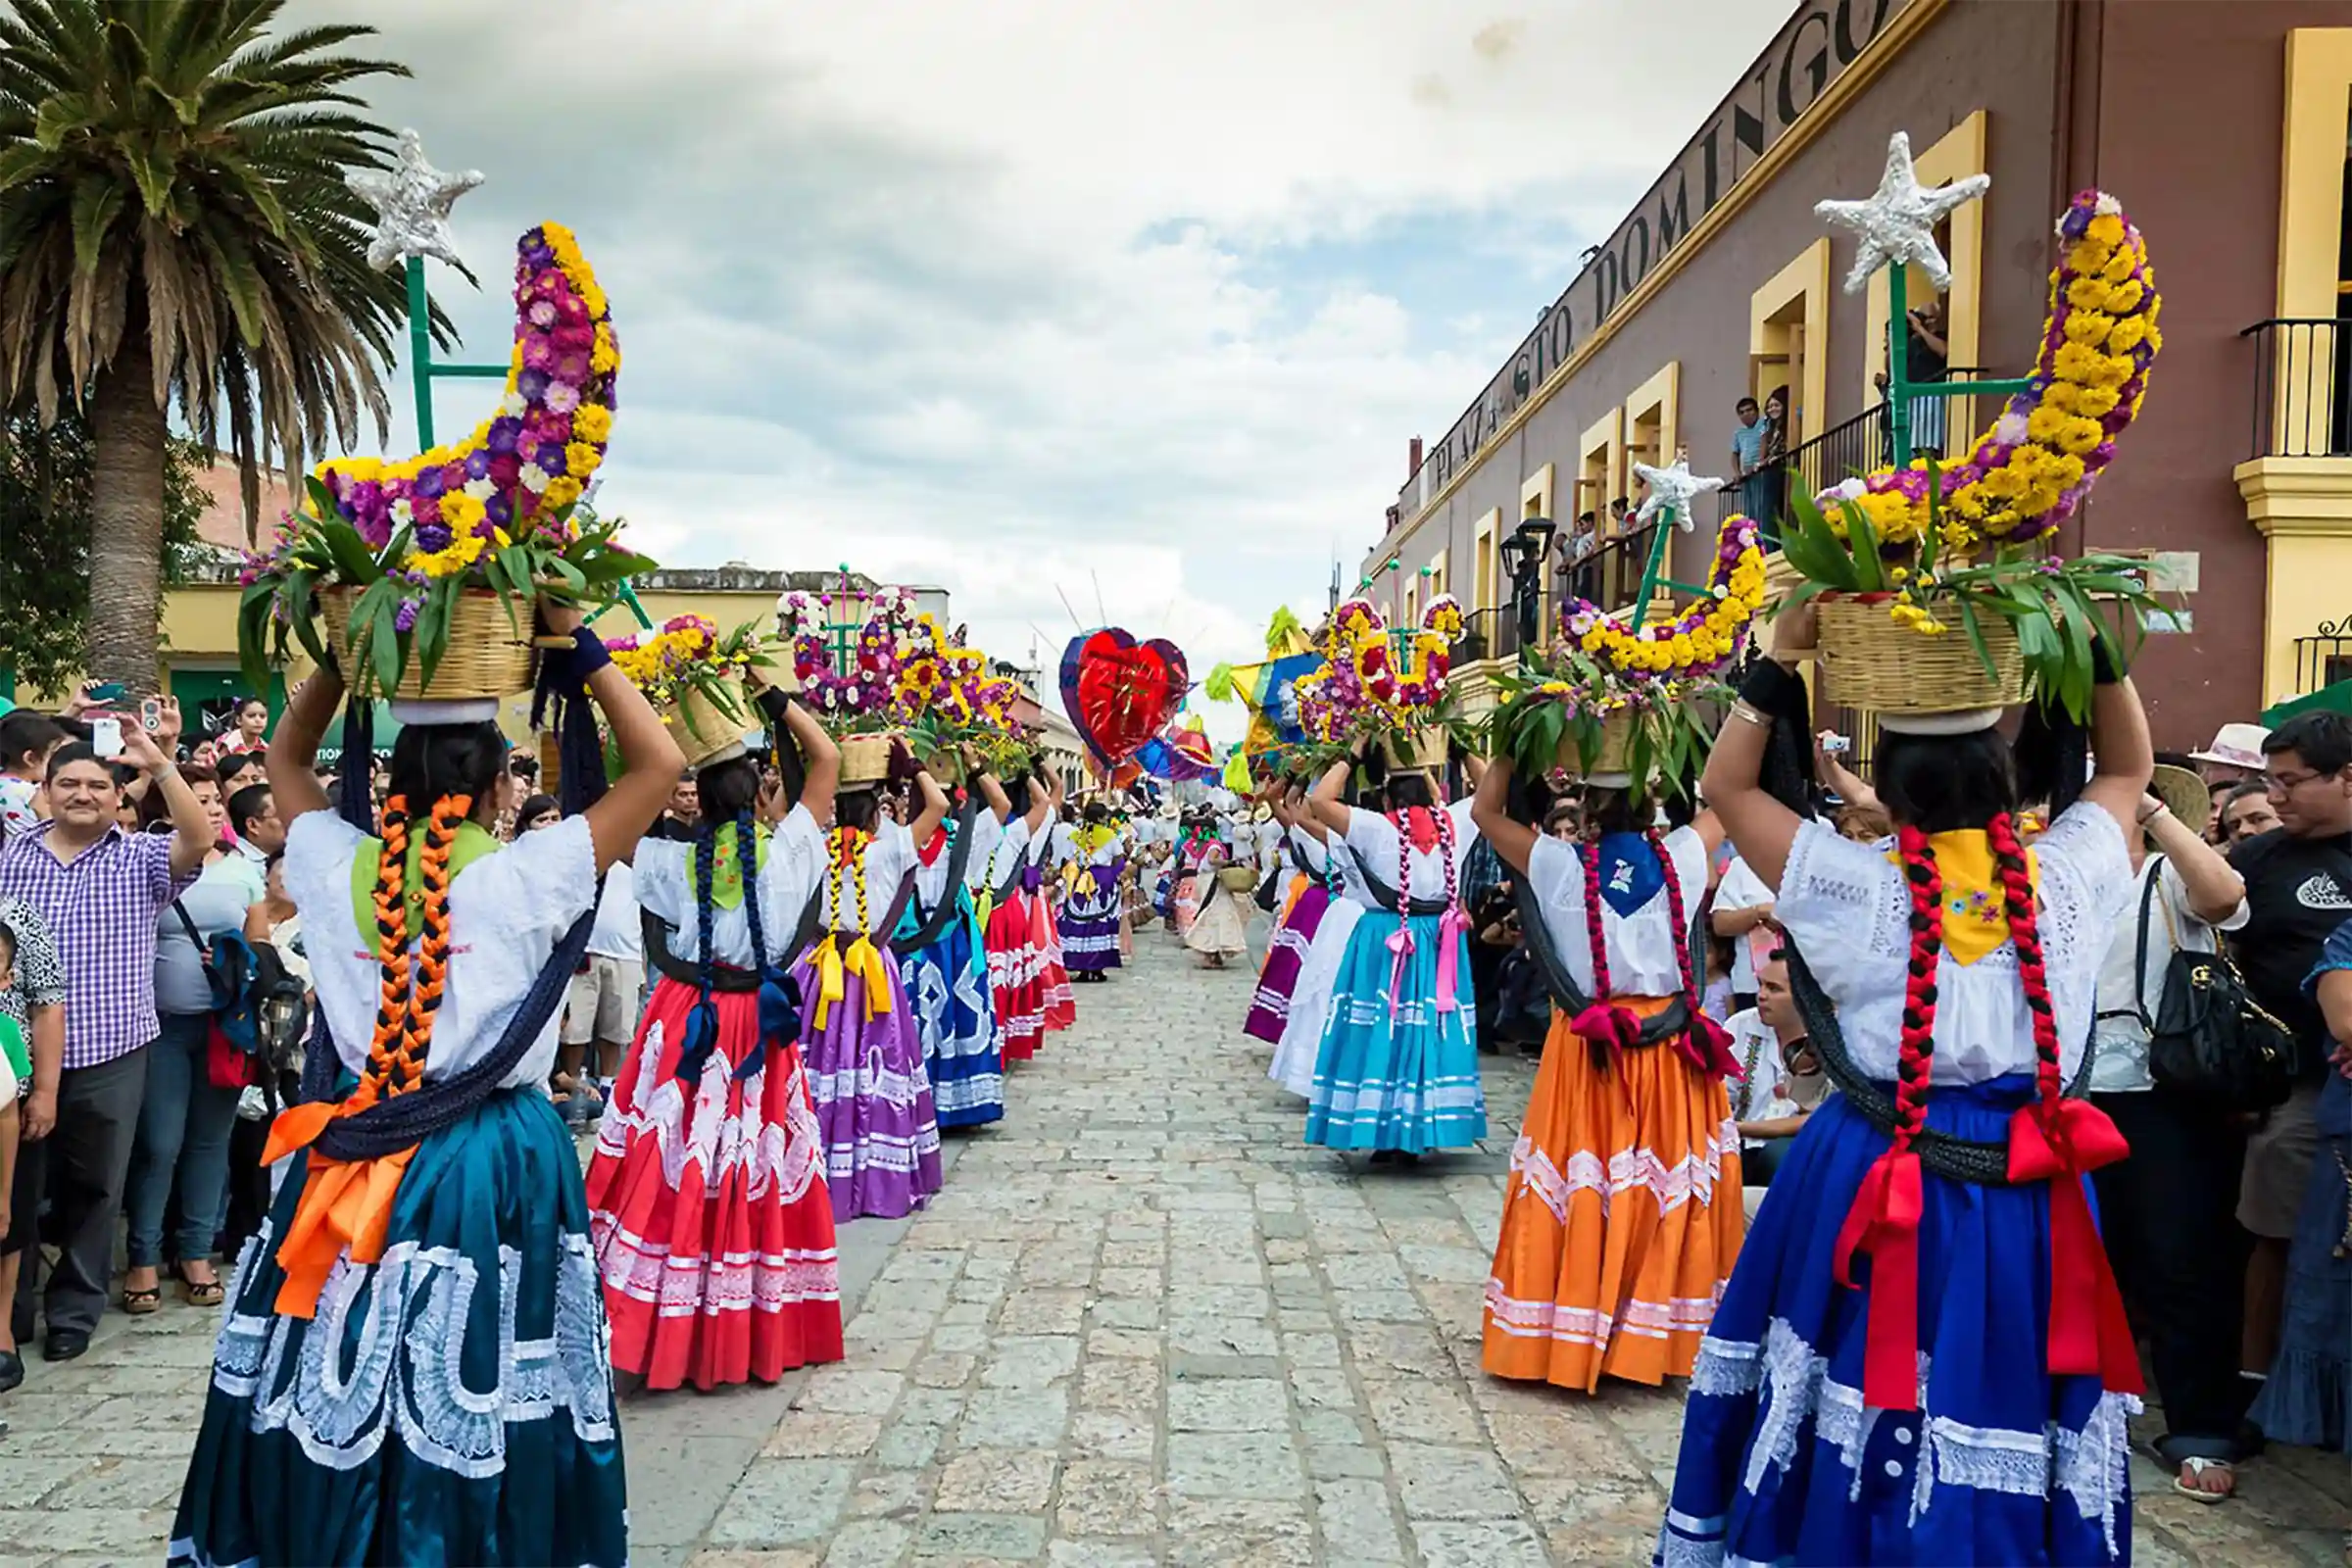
column 1815, row 47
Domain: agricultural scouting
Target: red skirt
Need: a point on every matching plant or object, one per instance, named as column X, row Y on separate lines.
column 1061, row 1003
column 1016, row 969
column 713, row 1227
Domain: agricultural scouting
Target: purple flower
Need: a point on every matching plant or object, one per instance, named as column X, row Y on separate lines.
column 533, row 384
column 551, row 459
column 428, row 484
column 538, row 354
column 543, row 314
column 477, row 464
column 499, row 510
column 561, row 396
column 432, row 536
column 405, row 617
column 503, row 433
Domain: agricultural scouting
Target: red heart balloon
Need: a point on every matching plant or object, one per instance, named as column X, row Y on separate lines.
column 1118, row 692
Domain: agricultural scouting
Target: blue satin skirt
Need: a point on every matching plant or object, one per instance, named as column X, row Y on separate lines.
column 451, row 1403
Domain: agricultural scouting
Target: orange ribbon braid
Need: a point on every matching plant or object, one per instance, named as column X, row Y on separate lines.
column 347, row 1205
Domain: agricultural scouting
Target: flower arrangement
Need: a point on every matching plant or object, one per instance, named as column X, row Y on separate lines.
column 906, row 675
column 497, row 514
column 1608, row 697
column 688, row 659
column 864, row 698
column 1367, row 687
column 1941, row 547
column 2031, row 470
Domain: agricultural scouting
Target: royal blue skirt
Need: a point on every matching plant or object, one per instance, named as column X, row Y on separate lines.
column 1782, row 1462
column 1396, row 1070
column 450, row 1403
column 946, row 985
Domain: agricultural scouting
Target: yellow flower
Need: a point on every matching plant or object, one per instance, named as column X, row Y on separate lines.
column 580, row 459
column 2038, row 497
column 2080, row 436
column 2088, row 326
column 2124, row 297
column 2128, row 335
column 2119, row 267
column 2094, row 402
column 563, row 490
column 2075, row 363
column 604, row 357
column 2111, row 369
column 2004, row 483
column 2067, row 471
column 2106, row 229
column 2087, row 293
column 2060, row 396
column 2088, row 257
column 590, row 422
column 460, row 512
column 2046, row 422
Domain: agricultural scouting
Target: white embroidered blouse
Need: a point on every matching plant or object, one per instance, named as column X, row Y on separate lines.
column 1846, row 908
column 1373, row 841
column 1641, row 945
column 506, row 911
column 796, row 857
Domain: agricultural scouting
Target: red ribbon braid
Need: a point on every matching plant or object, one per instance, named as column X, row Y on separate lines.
column 1604, row 1021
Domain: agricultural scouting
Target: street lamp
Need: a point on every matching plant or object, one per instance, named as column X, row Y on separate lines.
column 1529, row 544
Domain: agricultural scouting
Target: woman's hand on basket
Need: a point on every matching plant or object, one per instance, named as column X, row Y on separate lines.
column 560, row 620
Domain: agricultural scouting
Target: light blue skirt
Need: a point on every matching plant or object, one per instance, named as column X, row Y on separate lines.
column 1398, row 1072
column 450, row 1403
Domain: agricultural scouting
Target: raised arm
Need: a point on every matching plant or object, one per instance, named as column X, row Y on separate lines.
column 820, row 759
column 650, row 759
column 293, row 760
column 1490, row 808
column 999, row 805
column 1761, row 828
column 1041, row 801
column 2215, row 889
column 2121, row 756
column 192, row 836
column 935, row 808
column 1325, row 800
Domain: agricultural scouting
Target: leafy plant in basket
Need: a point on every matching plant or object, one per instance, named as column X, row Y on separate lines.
column 1609, row 697
column 688, row 665
column 405, row 559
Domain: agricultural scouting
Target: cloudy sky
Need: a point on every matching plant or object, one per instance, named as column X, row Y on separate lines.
column 1130, row 302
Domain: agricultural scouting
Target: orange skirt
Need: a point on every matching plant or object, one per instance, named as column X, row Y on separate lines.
column 1621, row 1221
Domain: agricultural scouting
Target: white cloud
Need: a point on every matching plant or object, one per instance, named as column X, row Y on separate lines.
column 1026, row 296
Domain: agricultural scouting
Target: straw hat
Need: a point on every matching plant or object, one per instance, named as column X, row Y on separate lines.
column 2235, row 746
column 2184, row 794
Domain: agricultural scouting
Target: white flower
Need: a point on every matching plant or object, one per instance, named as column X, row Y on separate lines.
column 512, row 405
column 2009, row 429
column 2107, row 205
column 1845, row 490
column 535, row 477
column 402, row 513
column 481, row 489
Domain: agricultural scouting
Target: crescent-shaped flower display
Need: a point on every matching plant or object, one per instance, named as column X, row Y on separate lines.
column 522, row 470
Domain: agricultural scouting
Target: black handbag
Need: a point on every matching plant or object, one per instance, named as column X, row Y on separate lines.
column 2210, row 1037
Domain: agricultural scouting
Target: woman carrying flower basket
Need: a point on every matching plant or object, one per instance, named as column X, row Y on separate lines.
column 1347, row 899
column 1018, row 959
column 1090, row 906
column 944, row 968
column 412, row 1368
column 714, row 1227
column 1396, row 1068
column 859, row 1033
column 1308, row 898
column 1220, row 931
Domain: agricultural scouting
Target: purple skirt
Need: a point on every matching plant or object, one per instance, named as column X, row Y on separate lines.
column 873, row 1096
column 1270, row 1008
column 1090, row 921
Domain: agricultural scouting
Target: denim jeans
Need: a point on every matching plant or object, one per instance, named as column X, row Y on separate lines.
column 183, row 1133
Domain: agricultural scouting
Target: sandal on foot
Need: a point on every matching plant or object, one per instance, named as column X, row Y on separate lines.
column 202, row 1293
column 2193, row 1469
column 138, row 1303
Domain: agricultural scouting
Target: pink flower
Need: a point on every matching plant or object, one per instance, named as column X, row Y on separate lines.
column 562, row 396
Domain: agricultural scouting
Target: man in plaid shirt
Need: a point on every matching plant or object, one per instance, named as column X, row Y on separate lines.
column 101, row 890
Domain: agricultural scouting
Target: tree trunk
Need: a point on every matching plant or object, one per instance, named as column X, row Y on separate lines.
column 126, row 518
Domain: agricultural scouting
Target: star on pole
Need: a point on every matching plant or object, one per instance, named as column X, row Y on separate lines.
column 1672, row 489
column 412, row 201
column 1897, row 222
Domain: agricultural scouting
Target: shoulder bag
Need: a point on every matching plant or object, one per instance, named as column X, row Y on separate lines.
column 2209, row 1037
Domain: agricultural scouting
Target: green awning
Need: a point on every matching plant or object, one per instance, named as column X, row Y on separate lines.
column 2335, row 699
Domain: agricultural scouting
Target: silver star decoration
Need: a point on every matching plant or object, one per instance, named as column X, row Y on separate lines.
column 412, row 201
column 1897, row 222
column 1672, row 489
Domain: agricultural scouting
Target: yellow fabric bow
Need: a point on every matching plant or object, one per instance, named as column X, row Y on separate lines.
column 836, row 962
column 1976, row 905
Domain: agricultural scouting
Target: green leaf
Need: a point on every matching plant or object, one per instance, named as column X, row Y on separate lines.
column 1870, row 572
column 1975, row 634
column 322, row 500
column 355, row 563
column 431, row 639
column 383, row 639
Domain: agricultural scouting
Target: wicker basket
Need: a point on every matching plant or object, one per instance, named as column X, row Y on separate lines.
column 865, row 760
column 1616, row 747
column 1415, row 748
column 1238, row 878
column 1870, row 660
column 704, row 731
column 485, row 656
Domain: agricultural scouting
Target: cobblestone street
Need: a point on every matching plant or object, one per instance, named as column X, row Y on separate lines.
column 1144, row 1324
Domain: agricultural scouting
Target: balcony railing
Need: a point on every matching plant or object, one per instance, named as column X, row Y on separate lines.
column 2324, row 658
column 1610, row 573
column 1850, row 447
column 1488, row 634
column 2301, row 368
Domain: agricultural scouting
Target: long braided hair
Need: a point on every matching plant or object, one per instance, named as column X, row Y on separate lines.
column 1923, row 881
column 726, row 790
column 2024, row 933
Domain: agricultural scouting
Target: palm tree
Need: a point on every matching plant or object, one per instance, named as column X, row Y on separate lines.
column 176, row 235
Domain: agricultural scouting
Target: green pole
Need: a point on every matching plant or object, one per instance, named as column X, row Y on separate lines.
column 1898, row 360
column 420, row 353
column 1657, row 561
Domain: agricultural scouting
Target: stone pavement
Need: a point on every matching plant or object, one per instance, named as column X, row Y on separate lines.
column 1143, row 1324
